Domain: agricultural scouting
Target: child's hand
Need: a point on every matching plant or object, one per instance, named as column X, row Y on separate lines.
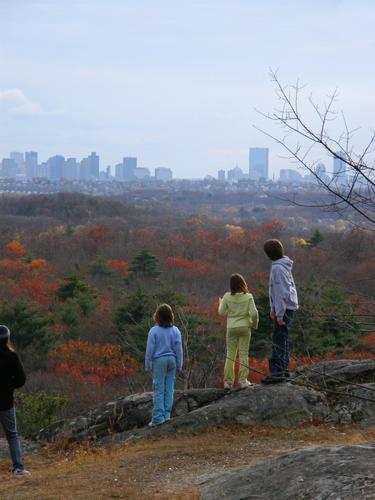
column 281, row 322
column 272, row 315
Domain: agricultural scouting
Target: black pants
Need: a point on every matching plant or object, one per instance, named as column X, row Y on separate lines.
column 279, row 360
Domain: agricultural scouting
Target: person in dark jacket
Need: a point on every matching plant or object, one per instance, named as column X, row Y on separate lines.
column 12, row 376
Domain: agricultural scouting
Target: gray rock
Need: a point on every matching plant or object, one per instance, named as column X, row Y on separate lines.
column 281, row 405
column 123, row 414
column 346, row 472
column 333, row 374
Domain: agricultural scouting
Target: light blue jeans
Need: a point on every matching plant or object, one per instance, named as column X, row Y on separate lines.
column 9, row 423
column 163, row 380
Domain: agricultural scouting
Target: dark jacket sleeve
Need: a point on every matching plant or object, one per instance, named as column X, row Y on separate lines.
column 18, row 375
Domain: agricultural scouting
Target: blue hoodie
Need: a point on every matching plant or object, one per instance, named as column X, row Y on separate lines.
column 282, row 289
column 164, row 342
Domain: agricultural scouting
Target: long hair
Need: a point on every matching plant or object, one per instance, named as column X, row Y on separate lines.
column 238, row 284
column 164, row 316
column 7, row 344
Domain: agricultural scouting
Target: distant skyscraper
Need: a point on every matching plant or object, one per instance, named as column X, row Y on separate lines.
column 8, row 167
column 119, row 172
column 221, row 175
column 93, row 161
column 19, row 160
column 339, row 169
column 130, row 164
column 31, row 164
column 258, row 164
column 71, row 169
column 56, row 167
column 163, row 174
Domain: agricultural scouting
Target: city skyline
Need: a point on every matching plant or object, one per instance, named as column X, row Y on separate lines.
column 174, row 81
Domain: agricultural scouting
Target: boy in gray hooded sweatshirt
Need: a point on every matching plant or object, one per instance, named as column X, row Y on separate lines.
column 283, row 303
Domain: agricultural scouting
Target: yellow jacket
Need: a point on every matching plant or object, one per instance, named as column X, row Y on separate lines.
column 240, row 310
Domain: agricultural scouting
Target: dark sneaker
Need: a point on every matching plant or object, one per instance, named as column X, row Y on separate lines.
column 273, row 379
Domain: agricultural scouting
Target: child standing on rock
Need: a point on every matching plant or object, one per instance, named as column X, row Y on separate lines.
column 283, row 303
column 164, row 356
column 242, row 315
column 12, row 376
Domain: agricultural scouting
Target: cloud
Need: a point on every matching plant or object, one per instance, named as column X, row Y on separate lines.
column 15, row 101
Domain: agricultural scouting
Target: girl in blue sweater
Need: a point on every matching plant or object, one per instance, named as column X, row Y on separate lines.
column 164, row 356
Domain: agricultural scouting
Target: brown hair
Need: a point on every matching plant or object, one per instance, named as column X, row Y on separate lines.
column 164, row 316
column 274, row 249
column 238, row 284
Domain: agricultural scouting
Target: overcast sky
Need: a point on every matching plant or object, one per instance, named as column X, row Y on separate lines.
column 173, row 82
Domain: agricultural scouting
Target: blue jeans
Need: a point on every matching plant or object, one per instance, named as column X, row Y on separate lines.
column 163, row 379
column 8, row 421
column 279, row 360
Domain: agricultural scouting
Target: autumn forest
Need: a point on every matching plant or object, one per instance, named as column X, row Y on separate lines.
column 81, row 277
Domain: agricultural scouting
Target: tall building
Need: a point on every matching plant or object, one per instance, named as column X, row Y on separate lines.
column 31, row 164
column 130, row 164
column 56, row 167
column 119, row 172
column 221, row 176
column 8, row 167
column 19, row 160
column 258, row 164
column 163, row 174
column 71, row 169
column 339, row 169
column 93, row 165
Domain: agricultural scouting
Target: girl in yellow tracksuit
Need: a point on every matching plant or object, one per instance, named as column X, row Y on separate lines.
column 242, row 315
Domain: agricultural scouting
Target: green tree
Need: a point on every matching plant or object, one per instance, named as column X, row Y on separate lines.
column 145, row 264
column 316, row 238
column 30, row 331
column 75, row 288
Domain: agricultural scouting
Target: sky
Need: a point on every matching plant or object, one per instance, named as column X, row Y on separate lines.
column 175, row 83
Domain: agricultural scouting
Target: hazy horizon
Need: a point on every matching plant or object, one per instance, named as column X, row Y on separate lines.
column 173, row 83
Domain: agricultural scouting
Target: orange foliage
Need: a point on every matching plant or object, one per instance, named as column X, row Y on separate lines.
column 92, row 363
column 190, row 266
column 119, row 266
column 15, row 249
column 37, row 264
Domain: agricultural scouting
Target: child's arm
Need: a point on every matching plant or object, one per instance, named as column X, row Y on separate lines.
column 223, row 306
column 254, row 315
column 149, row 350
column 18, row 377
column 280, row 291
column 177, row 348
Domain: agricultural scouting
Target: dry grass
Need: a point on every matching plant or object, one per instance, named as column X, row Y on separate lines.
column 163, row 468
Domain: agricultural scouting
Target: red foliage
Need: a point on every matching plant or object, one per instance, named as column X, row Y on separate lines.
column 92, row 363
column 191, row 266
column 119, row 266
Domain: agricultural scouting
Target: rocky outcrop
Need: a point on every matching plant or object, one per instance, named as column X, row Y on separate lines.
column 123, row 414
column 346, row 472
column 290, row 404
column 338, row 373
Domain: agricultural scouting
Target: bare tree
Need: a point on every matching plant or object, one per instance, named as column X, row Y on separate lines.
column 352, row 185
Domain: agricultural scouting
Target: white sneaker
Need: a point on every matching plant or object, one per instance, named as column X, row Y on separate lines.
column 246, row 384
column 152, row 424
column 227, row 385
column 21, row 473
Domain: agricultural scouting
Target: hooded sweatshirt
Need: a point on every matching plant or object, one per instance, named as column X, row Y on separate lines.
column 240, row 310
column 282, row 289
column 12, row 376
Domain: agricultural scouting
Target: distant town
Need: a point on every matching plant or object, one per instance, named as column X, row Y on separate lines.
column 22, row 172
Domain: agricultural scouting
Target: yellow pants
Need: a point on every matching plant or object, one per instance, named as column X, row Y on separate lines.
column 238, row 340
